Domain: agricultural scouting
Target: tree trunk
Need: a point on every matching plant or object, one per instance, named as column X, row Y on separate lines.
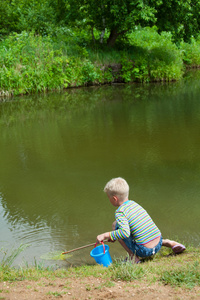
column 112, row 38
column 102, row 36
column 103, row 23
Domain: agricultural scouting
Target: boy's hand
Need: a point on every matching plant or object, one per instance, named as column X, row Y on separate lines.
column 103, row 236
column 100, row 238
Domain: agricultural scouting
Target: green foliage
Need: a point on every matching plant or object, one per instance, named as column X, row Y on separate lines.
column 179, row 17
column 20, row 15
column 135, row 70
column 127, row 69
column 90, row 74
column 37, row 16
column 105, row 56
column 155, row 56
column 191, row 52
column 9, row 17
column 101, row 21
column 117, row 17
column 108, row 75
column 30, row 64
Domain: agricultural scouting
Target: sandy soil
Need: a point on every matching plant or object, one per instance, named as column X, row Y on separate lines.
column 91, row 288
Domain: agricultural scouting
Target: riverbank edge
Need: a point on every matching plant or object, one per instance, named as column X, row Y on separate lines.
column 32, row 64
column 166, row 268
column 166, row 276
column 115, row 70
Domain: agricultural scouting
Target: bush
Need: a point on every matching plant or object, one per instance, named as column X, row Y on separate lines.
column 28, row 63
column 191, row 52
column 9, row 17
column 155, row 56
column 31, row 63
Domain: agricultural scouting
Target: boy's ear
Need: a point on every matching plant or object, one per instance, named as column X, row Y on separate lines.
column 115, row 198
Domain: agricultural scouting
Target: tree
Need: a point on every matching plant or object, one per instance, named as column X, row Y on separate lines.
column 19, row 15
column 8, row 16
column 180, row 17
column 116, row 16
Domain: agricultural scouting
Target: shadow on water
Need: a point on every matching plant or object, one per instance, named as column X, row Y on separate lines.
column 57, row 151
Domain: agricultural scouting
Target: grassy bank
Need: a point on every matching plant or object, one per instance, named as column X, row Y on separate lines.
column 30, row 63
column 181, row 270
column 166, row 276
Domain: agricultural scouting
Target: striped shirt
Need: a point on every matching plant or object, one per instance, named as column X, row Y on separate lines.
column 133, row 219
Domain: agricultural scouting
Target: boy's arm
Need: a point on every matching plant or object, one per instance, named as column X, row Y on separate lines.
column 121, row 233
column 123, row 230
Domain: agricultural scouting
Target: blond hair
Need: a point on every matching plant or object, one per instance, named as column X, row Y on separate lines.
column 117, row 187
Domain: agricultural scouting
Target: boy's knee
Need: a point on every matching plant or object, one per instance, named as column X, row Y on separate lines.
column 114, row 225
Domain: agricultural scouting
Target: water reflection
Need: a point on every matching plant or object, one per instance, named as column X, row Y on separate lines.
column 57, row 152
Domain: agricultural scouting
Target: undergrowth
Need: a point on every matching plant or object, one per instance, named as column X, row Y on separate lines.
column 191, row 52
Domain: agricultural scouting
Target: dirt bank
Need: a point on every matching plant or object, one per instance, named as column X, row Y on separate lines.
column 91, row 288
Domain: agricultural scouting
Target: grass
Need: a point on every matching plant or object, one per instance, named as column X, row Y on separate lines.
column 56, row 294
column 188, row 276
column 10, row 256
column 166, row 268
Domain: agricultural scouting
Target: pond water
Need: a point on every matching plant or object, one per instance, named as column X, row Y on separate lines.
column 57, row 152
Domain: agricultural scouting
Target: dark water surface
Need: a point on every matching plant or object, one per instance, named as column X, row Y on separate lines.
column 58, row 151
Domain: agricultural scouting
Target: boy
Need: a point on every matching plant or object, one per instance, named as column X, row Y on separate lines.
column 133, row 227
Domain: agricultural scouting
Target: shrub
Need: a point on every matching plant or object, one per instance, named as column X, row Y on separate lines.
column 28, row 63
column 191, row 52
column 155, row 55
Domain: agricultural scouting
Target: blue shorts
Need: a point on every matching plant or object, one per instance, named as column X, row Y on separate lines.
column 141, row 250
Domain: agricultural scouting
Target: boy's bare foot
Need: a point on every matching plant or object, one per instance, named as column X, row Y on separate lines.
column 137, row 260
column 178, row 248
column 133, row 259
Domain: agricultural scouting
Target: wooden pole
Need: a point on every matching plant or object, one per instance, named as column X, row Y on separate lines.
column 79, row 248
